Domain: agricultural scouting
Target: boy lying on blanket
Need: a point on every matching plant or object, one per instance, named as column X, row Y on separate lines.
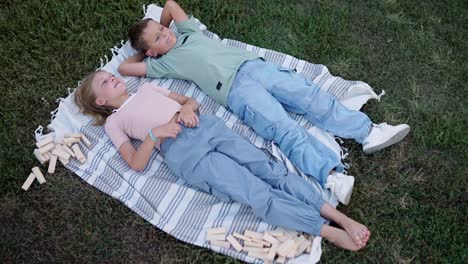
column 259, row 93
column 209, row 156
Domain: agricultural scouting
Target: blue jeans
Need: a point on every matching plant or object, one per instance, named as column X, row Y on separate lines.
column 212, row 158
column 262, row 92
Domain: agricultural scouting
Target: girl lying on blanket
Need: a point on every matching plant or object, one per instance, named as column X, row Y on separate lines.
column 209, row 156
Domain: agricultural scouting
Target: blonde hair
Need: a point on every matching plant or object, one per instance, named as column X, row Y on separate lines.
column 85, row 99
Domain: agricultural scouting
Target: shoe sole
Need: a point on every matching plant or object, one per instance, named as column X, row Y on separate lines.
column 348, row 194
column 393, row 140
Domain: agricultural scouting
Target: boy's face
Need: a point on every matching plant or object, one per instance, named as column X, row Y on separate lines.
column 107, row 87
column 158, row 39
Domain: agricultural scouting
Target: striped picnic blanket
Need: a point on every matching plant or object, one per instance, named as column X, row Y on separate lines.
column 167, row 201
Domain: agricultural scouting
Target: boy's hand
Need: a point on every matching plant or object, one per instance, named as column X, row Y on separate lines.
column 171, row 129
column 188, row 117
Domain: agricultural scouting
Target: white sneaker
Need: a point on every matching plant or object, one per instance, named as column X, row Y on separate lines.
column 383, row 135
column 341, row 185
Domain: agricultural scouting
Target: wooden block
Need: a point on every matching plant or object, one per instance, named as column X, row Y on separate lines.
column 72, row 135
column 52, row 164
column 58, row 141
column 239, row 236
column 285, row 247
column 64, row 161
column 68, row 150
column 214, row 231
column 60, row 153
column 248, row 248
column 283, row 238
column 37, row 172
column 256, row 254
column 42, row 158
column 253, row 244
column 301, row 248
column 269, row 238
column 281, row 260
column 46, row 148
column 216, row 237
column 28, row 181
column 275, row 233
column 261, row 241
column 86, row 140
column 44, row 142
column 78, row 153
column 221, row 244
column 69, row 141
column 272, row 253
column 252, row 234
column 234, row 243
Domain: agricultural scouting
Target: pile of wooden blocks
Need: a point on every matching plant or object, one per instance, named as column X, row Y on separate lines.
column 268, row 245
column 52, row 150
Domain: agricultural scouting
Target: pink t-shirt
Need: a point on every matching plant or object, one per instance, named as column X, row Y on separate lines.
column 149, row 107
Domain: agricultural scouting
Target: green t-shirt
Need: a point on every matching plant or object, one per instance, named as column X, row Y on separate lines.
column 205, row 61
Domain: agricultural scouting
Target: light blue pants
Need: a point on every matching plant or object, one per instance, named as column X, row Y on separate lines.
column 212, row 158
column 262, row 92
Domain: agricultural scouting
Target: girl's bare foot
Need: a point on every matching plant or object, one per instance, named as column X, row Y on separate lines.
column 339, row 238
column 358, row 232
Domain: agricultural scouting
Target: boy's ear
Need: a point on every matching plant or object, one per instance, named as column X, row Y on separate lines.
column 149, row 53
column 100, row 101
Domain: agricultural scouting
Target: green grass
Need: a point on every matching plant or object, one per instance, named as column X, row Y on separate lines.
column 412, row 196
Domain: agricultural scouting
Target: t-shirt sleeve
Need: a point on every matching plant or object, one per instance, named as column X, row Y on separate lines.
column 115, row 133
column 155, row 68
column 188, row 26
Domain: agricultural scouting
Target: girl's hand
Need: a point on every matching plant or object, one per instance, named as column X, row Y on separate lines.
column 171, row 129
column 187, row 117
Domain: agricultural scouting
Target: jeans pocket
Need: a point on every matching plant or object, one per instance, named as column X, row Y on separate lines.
column 259, row 123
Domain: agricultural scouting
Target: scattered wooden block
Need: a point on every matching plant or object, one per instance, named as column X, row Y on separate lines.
column 86, row 140
column 275, row 233
column 234, row 243
column 78, row 153
column 42, row 158
column 52, row 164
column 261, row 241
column 38, row 175
column 68, row 150
column 64, row 161
column 69, row 141
column 72, row 135
column 61, row 153
column 285, row 248
column 221, row 244
column 283, row 238
column 242, row 237
column 272, row 252
column 58, row 141
column 248, row 248
column 28, row 181
column 44, row 141
column 269, row 238
column 216, row 237
column 253, row 244
column 302, row 245
column 214, row 231
column 257, row 254
column 281, row 260
column 252, row 234
column 46, row 148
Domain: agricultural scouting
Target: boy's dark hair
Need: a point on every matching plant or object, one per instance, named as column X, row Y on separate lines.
column 134, row 34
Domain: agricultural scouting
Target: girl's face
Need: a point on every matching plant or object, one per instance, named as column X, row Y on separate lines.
column 107, row 87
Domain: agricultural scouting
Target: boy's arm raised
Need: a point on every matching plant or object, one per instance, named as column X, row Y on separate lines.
column 133, row 66
column 172, row 11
